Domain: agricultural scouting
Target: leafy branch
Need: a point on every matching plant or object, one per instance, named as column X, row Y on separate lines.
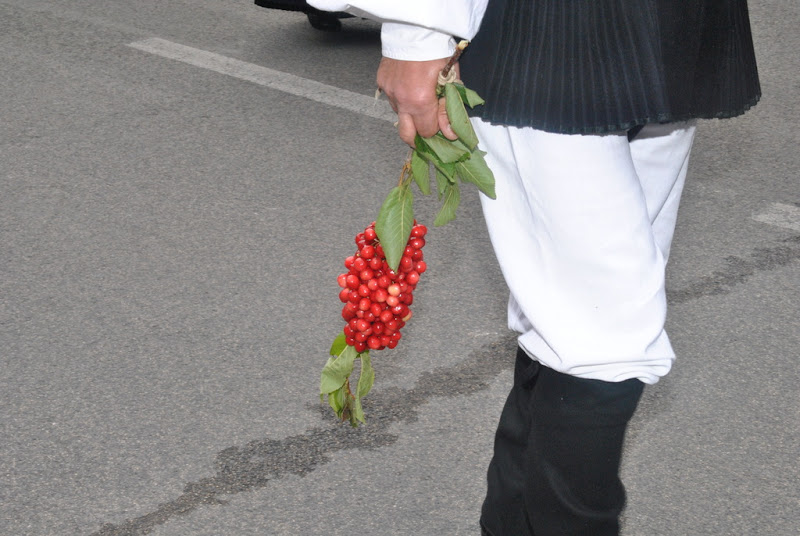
column 451, row 162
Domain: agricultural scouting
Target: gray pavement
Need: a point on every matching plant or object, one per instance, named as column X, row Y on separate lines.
column 169, row 242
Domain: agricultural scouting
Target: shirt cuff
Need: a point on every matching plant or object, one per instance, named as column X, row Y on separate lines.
column 329, row 5
column 415, row 43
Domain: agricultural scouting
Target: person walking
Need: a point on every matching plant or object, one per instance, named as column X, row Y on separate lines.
column 590, row 114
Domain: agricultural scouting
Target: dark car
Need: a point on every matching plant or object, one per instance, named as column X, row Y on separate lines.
column 321, row 20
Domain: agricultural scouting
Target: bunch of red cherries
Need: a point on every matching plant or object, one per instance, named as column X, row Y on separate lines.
column 377, row 298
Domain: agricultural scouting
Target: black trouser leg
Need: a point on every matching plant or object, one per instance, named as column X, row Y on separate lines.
column 555, row 470
column 507, row 474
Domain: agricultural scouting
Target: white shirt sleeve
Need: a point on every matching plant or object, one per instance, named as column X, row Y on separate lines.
column 416, row 29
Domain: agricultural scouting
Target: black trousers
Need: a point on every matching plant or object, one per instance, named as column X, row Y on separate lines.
column 557, row 452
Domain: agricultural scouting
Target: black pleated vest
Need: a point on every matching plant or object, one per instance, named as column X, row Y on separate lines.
column 594, row 66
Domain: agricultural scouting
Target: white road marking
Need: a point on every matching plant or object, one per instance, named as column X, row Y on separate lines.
column 288, row 83
column 780, row 215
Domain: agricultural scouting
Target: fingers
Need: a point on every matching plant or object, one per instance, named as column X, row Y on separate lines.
column 425, row 124
column 444, row 121
column 410, row 87
column 406, row 128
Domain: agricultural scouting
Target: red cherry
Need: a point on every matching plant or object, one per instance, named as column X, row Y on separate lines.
column 406, row 264
column 344, row 294
column 367, row 252
column 380, row 295
column 417, row 243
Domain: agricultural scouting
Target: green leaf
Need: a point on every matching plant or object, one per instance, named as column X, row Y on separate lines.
column 458, row 117
column 427, row 153
column 452, row 197
column 356, row 413
column 442, row 182
column 448, row 151
column 337, row 370
column 394, row 222
column 469, row 97
column 478, row 173
column 336, row 400
column 448, row 171
column 339, row 344
column 420, row 170
column 367, row 377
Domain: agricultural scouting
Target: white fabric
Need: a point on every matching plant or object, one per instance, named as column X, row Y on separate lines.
column 582, row 227
column 416, row 30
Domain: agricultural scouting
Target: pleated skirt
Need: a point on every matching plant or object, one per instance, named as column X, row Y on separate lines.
column 594, row 66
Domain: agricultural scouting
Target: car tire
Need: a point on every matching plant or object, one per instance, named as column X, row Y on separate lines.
column 326, row 22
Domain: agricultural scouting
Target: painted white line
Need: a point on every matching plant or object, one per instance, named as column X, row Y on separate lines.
column 780, row 215
column 288, row 83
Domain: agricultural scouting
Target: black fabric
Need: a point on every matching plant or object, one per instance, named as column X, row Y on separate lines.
column 557, row 452
column 288, row 5
column 594, row 66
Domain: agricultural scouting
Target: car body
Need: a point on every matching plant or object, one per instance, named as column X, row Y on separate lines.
column 321, row 20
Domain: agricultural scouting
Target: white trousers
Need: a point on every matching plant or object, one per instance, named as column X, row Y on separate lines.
column 582, row 227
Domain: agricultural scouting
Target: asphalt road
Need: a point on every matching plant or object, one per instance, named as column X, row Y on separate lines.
column 171, row 228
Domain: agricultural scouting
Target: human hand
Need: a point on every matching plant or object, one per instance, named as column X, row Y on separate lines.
column 411, row 89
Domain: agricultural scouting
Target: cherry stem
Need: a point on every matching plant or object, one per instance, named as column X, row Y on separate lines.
column 406, row 171
column 454, row 58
